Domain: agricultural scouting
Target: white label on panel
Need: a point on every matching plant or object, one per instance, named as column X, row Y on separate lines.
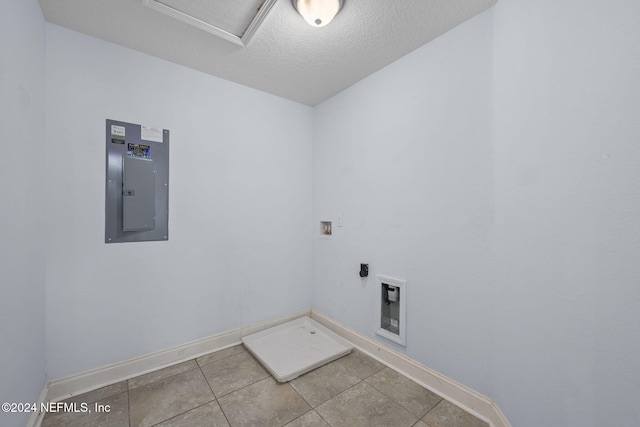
column 117, row 130
column 150, row 134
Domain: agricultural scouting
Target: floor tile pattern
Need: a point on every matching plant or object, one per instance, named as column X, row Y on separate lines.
column 231, row 388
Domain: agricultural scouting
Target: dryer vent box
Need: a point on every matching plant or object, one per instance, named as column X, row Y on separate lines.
column 392, row 309
column 137, row 183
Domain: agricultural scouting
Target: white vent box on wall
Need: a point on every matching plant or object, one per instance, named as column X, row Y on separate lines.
column 392, row 309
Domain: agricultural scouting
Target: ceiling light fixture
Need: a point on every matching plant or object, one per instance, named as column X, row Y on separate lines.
column 318, row 13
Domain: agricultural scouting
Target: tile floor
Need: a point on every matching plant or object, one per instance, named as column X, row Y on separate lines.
column 231, row 388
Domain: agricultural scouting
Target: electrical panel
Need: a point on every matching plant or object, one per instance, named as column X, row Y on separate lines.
column 137, row 183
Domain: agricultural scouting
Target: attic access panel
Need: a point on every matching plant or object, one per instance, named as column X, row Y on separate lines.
column 232, row 20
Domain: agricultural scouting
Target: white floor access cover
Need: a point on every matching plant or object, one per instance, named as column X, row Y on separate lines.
column 296, row 347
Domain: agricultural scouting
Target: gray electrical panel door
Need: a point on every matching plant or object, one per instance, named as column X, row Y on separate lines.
column 137, row 183
column 138, row 194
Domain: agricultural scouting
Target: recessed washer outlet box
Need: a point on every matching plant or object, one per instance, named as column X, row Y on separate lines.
column 326, row 229
column 392, row 309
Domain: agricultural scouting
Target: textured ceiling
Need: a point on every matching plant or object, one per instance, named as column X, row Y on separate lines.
column 230, row 15
column 286, row 56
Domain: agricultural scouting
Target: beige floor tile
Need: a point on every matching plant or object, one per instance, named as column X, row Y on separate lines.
column 232, row 373
column 323, row 383
column 162, row 373
column 222, row 354
column 446, row 414
column 362, row 405
column 116, row 416
column 168, row 397
column 208, row 415
column 266, row 403
column 310, row 419
column 360, row 364
column 355, row 390
column 413, row 397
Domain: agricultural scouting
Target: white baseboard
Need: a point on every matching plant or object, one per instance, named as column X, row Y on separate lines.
column 471, row 401
column 36, row 417
column 83, row 382
column 467, row 399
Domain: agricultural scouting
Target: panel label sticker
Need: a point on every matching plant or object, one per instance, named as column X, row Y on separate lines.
column 150, row 134
column 117, row 131
column 139, row 150
column 117, row 134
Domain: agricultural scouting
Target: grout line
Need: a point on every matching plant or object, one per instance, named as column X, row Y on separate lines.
column 301, row 396
column 171, row 376
column 163, row 378
column 182, row 413
column 223, row 358
column 439, row 403
column 215, row 398
column 322, row 418
column 296, row 419
column 440, row 399
column 128, row 405
column 245, row 386
column 223, row 413
column 207, row 381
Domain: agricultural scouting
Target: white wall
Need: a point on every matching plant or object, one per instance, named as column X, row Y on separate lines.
column 22, row 264
column 239, row 207
column 404, row 157
column 496, row 169
column 566, row 341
